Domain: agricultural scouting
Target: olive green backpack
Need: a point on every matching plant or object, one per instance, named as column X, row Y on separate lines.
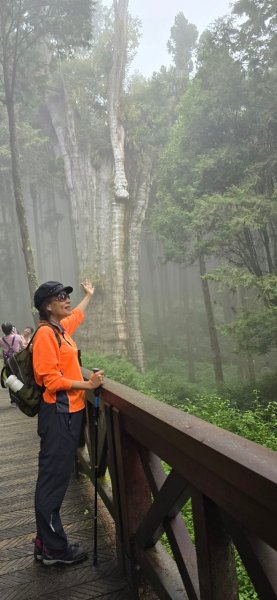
column 20, row 364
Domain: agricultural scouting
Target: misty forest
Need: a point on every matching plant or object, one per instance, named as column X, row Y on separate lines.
column 161, row 190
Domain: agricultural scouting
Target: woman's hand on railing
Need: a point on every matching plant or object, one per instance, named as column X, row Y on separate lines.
column 96, row 379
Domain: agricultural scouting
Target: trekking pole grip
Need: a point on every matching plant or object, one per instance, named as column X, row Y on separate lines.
column 96, row 391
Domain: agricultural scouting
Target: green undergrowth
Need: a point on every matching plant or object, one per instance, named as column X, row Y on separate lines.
column 255, row 418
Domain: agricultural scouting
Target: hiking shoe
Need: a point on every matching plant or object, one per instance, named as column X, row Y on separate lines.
column 37, row 549
column 74, row 554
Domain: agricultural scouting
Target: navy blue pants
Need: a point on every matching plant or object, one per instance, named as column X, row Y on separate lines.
column 59, row 434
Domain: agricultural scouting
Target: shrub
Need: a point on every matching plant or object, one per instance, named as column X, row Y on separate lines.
column 258, row 422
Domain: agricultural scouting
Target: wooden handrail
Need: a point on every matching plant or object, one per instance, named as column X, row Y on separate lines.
column 232, row 483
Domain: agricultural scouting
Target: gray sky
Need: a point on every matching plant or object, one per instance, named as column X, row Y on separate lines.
column 157, row 18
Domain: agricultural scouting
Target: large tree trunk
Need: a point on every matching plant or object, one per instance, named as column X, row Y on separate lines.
column 186, row 299
column 9, row 64
column 137, row 216
column 250, row 363
column 99, row 231
column 217, row 362
column 118, row 249
column 8, row 252
column 116, row 79
column 99, row 214
column 154, row 296
column 121, row 194
column 90, row 202
column 35, row 206
column 19, row 202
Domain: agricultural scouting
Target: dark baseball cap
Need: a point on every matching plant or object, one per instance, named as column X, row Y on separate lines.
column 48, row 290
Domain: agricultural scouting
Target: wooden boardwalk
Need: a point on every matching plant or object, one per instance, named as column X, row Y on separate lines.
column 22, row 578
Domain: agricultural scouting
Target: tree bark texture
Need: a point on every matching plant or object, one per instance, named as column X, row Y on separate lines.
column 9, row 68
column 107, row 237
column 91, row 206
column 139, row 206
column 116, row 80
column 249, row 359
column 121, row 194
column 216, row 355
column 153, row 293
column 185, row 296
column 19, row 202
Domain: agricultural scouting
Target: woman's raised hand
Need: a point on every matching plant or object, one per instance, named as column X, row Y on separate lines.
column 87, row 287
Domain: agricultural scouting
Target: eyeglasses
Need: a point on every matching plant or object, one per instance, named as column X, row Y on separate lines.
column 62, row 297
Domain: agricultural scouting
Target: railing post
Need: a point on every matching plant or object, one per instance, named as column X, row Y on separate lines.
column 215, row 556
column 117, row 510
column 134, row 493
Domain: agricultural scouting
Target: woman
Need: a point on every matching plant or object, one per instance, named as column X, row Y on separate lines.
column 57, row 370
column 26, row 336
column 11, row 342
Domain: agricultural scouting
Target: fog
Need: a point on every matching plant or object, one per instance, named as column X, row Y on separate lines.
column 157, row 18
column 160, row 191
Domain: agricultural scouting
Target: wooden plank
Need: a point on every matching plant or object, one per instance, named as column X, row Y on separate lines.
column 259, row 559
column 216, row 566
column 181, row 545
column 117, row 507
column 21, row 578
column 162, row 572
column 184, row 554
column 232, row 498
column 238, row 461
column 167, row 503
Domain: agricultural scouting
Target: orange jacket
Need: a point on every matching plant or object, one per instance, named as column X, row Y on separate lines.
column 55, row 368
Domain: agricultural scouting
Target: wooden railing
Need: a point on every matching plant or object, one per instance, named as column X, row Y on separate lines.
column 153, row 459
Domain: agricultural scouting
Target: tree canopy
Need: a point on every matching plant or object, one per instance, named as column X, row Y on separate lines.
column 217, row 181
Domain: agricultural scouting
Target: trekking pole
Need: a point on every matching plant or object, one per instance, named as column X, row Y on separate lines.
column 96, row 418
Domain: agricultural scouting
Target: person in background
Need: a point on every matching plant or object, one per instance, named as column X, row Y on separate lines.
column 26, row 336
column 57, row 370
column 11, row 338
column 11, row 342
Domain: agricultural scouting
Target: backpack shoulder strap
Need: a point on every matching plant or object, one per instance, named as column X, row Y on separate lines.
column 54, row 329
column 7, row 343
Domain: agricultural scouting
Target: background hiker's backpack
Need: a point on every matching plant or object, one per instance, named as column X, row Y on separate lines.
column 26, row 393
column 9, row 350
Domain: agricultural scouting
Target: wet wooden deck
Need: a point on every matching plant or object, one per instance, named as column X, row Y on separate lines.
column 22, row 578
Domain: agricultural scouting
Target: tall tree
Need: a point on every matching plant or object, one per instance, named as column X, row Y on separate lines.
column 25, row 24
column 79, row 108
column 115, row 89
column 121, row 194
column 149, row 111
column 218, row 176
column 182, row 43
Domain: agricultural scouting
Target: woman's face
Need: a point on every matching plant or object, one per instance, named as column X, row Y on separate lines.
column 59, row 306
